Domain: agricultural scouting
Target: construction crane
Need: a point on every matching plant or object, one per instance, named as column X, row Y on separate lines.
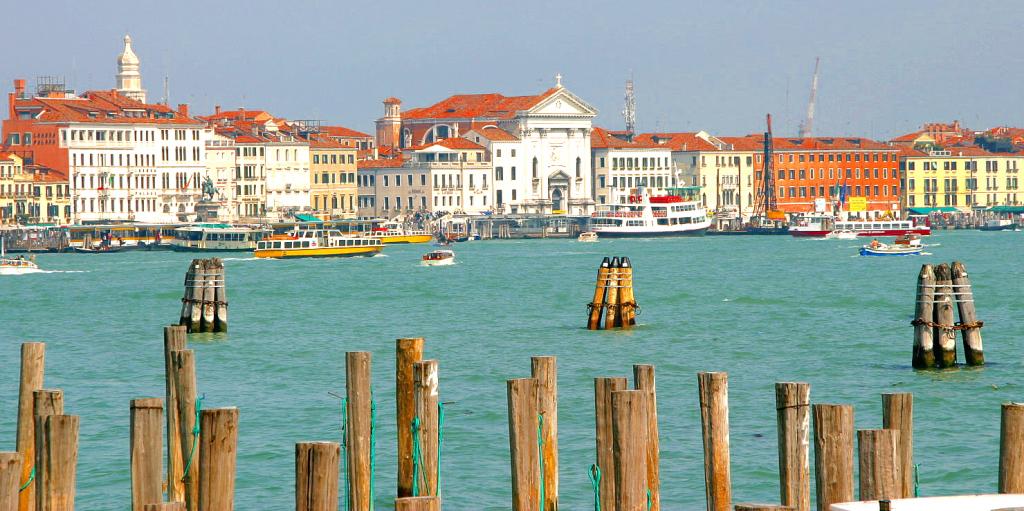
column 808, row 125
column 765, row 207
column 629, row 112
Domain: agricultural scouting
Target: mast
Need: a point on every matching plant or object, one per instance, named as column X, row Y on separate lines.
column 808, row 125
column 765, row 201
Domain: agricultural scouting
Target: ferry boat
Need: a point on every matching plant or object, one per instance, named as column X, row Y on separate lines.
column 394, row 232
column 587, row 237
column 679, row 213
column 819, row 225
column 1002, row 224
column 215, row 238
column 316, row 243
column 15, row 265
column 438, row 258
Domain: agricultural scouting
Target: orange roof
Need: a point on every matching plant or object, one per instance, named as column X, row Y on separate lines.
column 496, row 134
column 99, row 107
column 451, row 143
column 392, row 100
column 377, row 164
column 909, row 137
column 675, row 141
column 341, row 131
column 239, row 115
column 465, row 106
column 817, row 143
column 601, row 138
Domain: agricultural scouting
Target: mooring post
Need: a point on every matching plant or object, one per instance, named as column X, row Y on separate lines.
column 762, row 507
column 165, row 506
column 970, row 326
column 407, row 352
column 597, row 304
column 792, row 405
column 10, row 480
column 833, row 454
column 188, row 296
column 879, row 464
column 174, row 340
column 45, row 403
column 643, row 379
column 221, row 298
column 425, row 396
column 603, row 388
column 945, row 336
column 33, row 357
column 218, row 453
column 898, row 414
column 545, row 371
column 714, row 413
column 418, row 504
column 209, row 281
column 316, row 476
column 146, row 442
column 523, row 422
column 56, row 461
column 359, row 394
column 185, row 385
column 629, row 448
column 1011, row 448
column 626, row 299
column 924, row 345
column 613, row 309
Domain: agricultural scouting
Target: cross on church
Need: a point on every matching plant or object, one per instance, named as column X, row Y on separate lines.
column 558, row 80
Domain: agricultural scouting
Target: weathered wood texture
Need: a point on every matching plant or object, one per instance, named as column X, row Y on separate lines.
column 1011, row 449
column 174, row 340
column 603, row 388
column 713, row 389
column 218, row 453
column 898, row 414
column 185, row 384
column 833, row 454
column 643, row 379
column 879, row 464
column 612, row 316
column 45, row 403
column 544, row 370
column 56, row 462
column 963, row 293
column 600, row 289
column 418, row 504
column 746, row 506
column 407, row 352
column 145, row 445
column 924, row 345
column 165, row 506
column 33, row 358
column 629, row 439
column 10, row 480
column 523, row 448
column 425, row 397
column 359, row 392
column 316, row 476
column 792, row 405
column 627, row 301
column 945, row 336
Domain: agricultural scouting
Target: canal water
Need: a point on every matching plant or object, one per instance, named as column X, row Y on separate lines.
column 763, row 308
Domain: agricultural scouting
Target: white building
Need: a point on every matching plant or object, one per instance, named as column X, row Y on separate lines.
column 622, row 166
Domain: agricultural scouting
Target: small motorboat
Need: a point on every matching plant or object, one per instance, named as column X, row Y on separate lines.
column 438, row 258
column 587, row 237
column 841, row 235
column 881, row 249
column 909, row 240
column 99, row 249
column 16, row 265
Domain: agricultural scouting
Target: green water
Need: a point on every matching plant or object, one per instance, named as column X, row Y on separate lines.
column 765, row 309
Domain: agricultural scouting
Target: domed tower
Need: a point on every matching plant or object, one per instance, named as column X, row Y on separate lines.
column 389, row 127
column 129, row 80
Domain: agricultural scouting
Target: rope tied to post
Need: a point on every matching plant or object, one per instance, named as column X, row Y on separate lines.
column 31, row 477
column 440, row 440
column 195, row 437
column 344, row 448
column 417, row 459
column 540, row 456
column 956, row 326
column 595, row 480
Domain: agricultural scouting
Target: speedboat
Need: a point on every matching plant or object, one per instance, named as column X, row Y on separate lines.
column 15, row 265
column 587, row 237
column 881, row 249
column 438, row 258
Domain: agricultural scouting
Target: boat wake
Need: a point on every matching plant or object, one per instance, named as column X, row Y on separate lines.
column 34, row 271
column 242, row 258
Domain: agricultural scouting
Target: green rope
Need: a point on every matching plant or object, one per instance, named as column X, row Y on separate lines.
column 31, row 477
column 440, row 439
column 595, row 480
column 373, row 443
column 195, row 438
column 540, row 456
column 417, row 458
column 917, row 480
column 344, row 449
column 649, row 501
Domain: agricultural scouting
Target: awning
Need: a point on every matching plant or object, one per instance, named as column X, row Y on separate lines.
column 1007, row 209
column 938, row 209
column 308, row 218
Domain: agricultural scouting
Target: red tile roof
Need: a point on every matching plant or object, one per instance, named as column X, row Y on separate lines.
column 496, row 134
column 451, row 143
column 341, row 131
column 676, row 141
column 909, row 137
column 385, row 163
column 465, row 106
column 108, row 107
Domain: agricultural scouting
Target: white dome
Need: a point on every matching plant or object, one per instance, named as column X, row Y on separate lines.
column 128, row 57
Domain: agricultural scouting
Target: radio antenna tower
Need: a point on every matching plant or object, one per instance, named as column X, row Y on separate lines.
column 629, row 112
column 808, row 125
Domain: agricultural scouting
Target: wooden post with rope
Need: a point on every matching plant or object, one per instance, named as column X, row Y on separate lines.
column 545, row 371
column 45, row 403
column 218, row 458
column 407, row 352
column 1011, row 448
column 427, row 424
column 145, row 444
column 627, row 301
column 970, row 327
column 603, row 389
column 10, row 480
column 613, row 311
column 713, row 390
column 629, row 447
column 792, row 405
column 833, row 454
column 945, row 336
column 596, row 307
column 643, row 379
column 359, row 393
column 877, row 452
column 898, row 414
column 924, row 346
column 316, row 476
column 174, row 340
column 56, row 462
column 418, row 504
column 33, row 357
column 523, row 423
column 185, row 385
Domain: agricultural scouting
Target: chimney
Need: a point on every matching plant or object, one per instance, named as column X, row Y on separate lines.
column 19, row 87
column 216, row 109
column 183, row 109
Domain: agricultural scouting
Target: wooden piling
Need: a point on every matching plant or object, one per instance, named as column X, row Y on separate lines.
column 165, row 506
column 174, row 340
column 612, row 315
column 713, row 389
column 46, row 403
column 898, row 414
column 146, row 441
column 600, row 288
column 33, row 357
column 418, row 504
column 792, row 405
column 218, row 452
column 316, row 476
column 643, row 379
column 943, row 333
column 626, row 299
column 1011, row 448
column 425, row 397
column 833, row 454
column 762, row 507
column 924, row 346
column 879, row 464
column 360, row 394
column 10, row 480
column 185, row 384
column 221, row 298
column 56, row 462
column 192, row 308
column 603, row 388
column 185, row 318
column 629, row 439
column 545, row 371
column 209, row 281
column 963, row 294
column 407, row 352
column 523, row 448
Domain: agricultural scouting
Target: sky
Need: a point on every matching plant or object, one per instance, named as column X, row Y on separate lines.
column 886, row 67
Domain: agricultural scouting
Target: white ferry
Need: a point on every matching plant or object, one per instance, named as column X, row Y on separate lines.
column 216, row 238
column 316, row 243
column 679, row 213
column 819, row 225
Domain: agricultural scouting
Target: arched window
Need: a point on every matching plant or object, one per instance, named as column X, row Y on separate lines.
column 535, row 167
column 334, row 202
column 578, row 166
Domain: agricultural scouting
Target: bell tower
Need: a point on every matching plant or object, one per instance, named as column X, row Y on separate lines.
column 389, row 127
column 129, row 80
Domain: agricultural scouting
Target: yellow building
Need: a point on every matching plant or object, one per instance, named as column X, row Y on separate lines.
column 51, row 197
column 964, row 178
column 32, row 194
column 333, row 191
column 15, row 189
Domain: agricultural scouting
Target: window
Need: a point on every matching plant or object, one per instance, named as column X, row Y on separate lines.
column 497, row 153
column 535, row 168
column 513, row 169
column 499, row 174
column 513, row 154
column 578, row 163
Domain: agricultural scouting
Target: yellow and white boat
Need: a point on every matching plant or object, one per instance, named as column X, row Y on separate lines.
column 393, row 232
column 316, row 243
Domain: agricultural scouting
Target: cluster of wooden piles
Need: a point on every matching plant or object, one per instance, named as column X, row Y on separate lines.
column 204, row 307
column 935, row 331
column 614, row 305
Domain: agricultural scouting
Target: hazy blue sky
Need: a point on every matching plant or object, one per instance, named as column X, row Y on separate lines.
column 718, row 66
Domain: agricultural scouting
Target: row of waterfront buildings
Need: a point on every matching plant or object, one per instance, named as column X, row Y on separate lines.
column 111, row 156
